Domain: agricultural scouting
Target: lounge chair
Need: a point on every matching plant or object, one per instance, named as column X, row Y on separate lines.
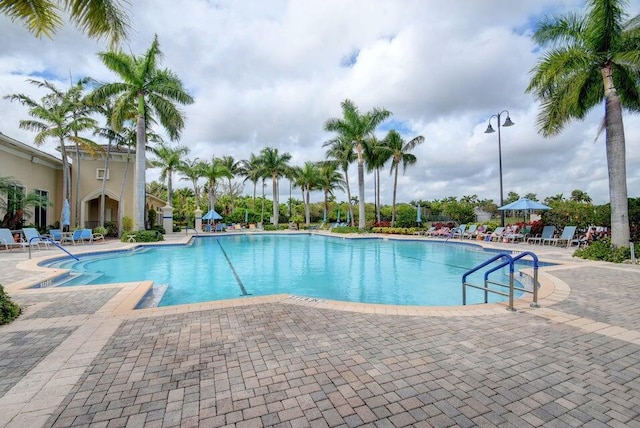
column 429, row 232
column 521, row 235
column 458, row 232
column 55, row 234
column 33, row 237
column 547, row 232
column 497, row 234
column 567, row 235
column 7, row 239
column 469, row 233
column 443, row 232
column 73, row 237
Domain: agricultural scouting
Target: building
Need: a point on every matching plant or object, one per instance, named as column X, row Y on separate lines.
column 38, row 171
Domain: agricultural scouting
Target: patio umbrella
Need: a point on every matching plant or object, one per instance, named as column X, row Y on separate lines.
column 419, row 215
column 65, row 219
column 324, row 215
column 338, row 216
column 246, row 216
column 348, row 217
column 524, row 204
column 212, row 215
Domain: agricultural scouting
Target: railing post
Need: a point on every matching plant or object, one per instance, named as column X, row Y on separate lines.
column 511, row 289
column 535, row 304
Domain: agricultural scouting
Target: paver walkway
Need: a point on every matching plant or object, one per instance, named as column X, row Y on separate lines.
column 74, row 359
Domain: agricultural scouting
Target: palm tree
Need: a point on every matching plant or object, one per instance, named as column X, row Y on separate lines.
column 79, row 107
column 97, row 18
column 192, row 171
column 149, row 89
column 356, row 127
column 341, row 151
column 329, row 181
column 307, row 178
column 234, row 168
column 398, row 149
column 375, row 160
column 212, row 171
column 53, row 119
column 275, row 165
column 169, row 160
column 594, row 57
column 252, row 170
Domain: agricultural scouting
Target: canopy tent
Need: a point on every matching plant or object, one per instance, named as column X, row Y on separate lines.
column 212, row 215
column 524, row 204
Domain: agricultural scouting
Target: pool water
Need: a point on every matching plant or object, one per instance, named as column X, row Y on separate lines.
column 355, row 270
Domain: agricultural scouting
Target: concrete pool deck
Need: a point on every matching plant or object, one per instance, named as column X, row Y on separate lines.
column 81, row 357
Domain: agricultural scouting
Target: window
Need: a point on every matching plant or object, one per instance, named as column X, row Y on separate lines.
column 40, row 213
column 15, row 198
column 100, row 173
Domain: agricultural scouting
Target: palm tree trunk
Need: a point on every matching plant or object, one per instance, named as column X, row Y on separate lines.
column 139, row 190
column 122, row 187
column 77, row 171
column 170, row 188
column 307, row 211
column 65, row 177
column 616, row 163
column 361, row 218
column 395, row 186
column 104, row 185
column 346, row 179
column 276, row 208
column 377, row 182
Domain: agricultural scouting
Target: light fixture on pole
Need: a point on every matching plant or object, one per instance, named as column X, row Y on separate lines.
column 490, row 130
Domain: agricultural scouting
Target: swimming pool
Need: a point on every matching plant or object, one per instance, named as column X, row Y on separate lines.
column 373, row 270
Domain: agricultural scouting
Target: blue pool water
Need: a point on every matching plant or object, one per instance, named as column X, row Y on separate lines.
column 355, row 270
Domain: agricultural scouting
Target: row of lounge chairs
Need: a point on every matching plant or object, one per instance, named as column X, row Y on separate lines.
column 506, row 234
column 30, row 237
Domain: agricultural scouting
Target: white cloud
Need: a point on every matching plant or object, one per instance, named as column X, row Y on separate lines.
column 270, row 73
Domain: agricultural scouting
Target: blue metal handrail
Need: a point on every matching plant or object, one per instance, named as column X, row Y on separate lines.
column 510, row 261
column 50, row 240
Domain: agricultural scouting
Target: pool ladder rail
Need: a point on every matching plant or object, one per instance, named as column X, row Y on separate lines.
column 503, row 260
column 50, row 241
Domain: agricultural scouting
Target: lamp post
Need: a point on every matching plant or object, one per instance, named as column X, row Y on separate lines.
column 490, row 130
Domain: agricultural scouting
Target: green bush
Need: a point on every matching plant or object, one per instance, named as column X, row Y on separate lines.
column 603, row 250
column 101, row 230
column 127, row 224
column 395, row 230
column 143, row 236
column 112, row 228
column 8, row 310
column 345, row 229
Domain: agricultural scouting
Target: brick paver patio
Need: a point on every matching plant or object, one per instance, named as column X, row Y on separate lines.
column 75, row 358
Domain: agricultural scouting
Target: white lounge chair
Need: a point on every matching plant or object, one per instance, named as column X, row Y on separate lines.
column 33, row 237
column 7, row 239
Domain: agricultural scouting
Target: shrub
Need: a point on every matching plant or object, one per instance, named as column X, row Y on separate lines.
column 101, row 230
column 127, row 224
column 112, row 228
column 345, row 229
column 8, row 310
column 151, row 218
column 603, row 250
column 143, row 236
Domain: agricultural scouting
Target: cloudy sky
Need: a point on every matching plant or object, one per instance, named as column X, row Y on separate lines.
column 270, row 73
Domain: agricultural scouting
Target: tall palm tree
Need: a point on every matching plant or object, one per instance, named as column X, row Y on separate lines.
column 275, row 165
column 212, row 171
column 355, row 126
column 193, row 171
column 375, row 160
column 330, row 179
column 398, row 150
column 594, row 57
column 78, row 107
column 52, row 118
column 97, row 18
column 342, row 152
column 308, row 179
column 149, row 89
column 234, row 167
column 253, row 171
column 170, row 159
